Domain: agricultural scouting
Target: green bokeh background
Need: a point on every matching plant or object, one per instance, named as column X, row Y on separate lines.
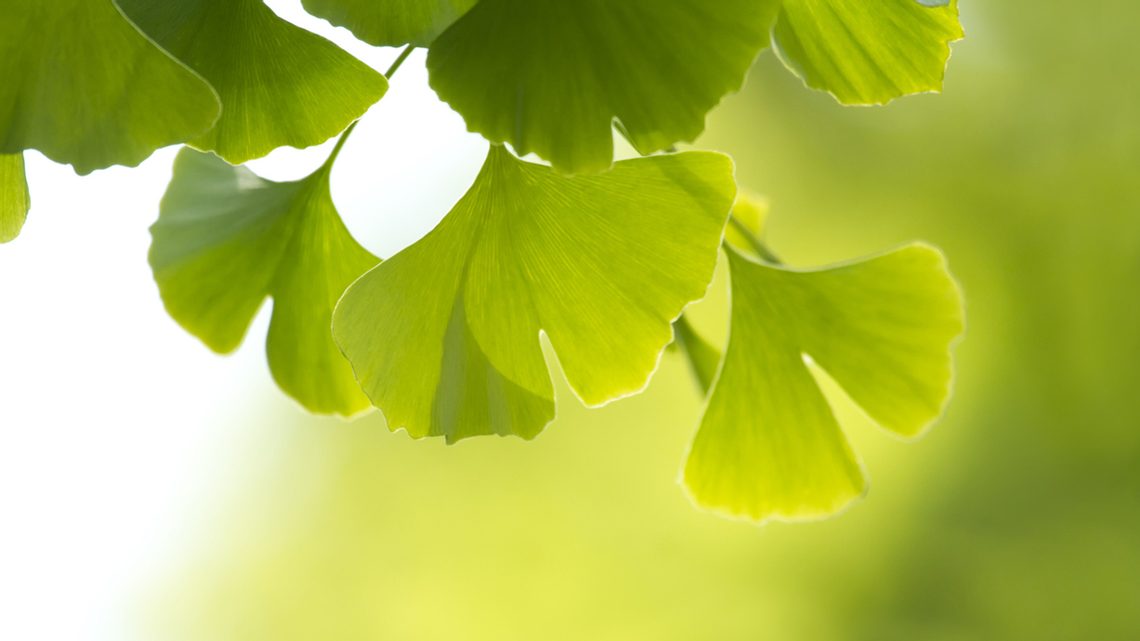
column 1018, row 517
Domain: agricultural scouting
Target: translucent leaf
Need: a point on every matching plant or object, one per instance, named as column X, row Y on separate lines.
column 84, row 86
column 14, row 199
column 550, row 77
column 226, row 239
column 444, row 337
column 746, row 228
column 769, row 445
column 391, row 23
column 868, row 53
column 280, row 85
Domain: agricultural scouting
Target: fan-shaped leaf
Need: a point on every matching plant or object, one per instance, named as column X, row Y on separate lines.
column 84, row 86
column 769, row 445
column 14, row 199
column 226, row 239
column 391, row 23
column 550, row 77
column 444, row 337
column 280, row 85
column 868, row 52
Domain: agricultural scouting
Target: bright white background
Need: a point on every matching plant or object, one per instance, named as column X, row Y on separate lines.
column 112, row 417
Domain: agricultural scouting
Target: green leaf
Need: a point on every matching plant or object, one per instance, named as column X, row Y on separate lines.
column 280, row 85
column 444, row 337
column 769, row 445
column 550, row 77
column 391, row 23
column 84, row 86
column 868, row 53
column 14, row 199
column 227, row 239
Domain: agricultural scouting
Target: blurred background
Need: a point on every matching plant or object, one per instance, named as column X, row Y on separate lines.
column 150, row 490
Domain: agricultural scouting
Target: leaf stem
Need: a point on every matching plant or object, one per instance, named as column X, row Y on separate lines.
column 754, row 243
column 399, row 61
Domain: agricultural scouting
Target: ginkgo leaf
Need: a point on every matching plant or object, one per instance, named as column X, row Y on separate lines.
column 14, row 199
column 84, row 86
column 226, row 239
column 868, row 53
column 550, row 77
column 391, row 23
column 444, row 337
column 279, row 84
column 769, row 445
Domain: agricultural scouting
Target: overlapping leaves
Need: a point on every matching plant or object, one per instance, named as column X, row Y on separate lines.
column 279, row 84
column 227, row 239
column 82, row 85
column 444, row 336
column 601, row 258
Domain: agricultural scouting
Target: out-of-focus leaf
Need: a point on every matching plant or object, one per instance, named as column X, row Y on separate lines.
column 14, row 199
column 227, row 239
column 868, row 53
column 81, row 84
column 769, row 445
column 551, row 77
column 280, row 85
column 704, row 359
column 444, row 337
column 746, row 228
column 391, row 23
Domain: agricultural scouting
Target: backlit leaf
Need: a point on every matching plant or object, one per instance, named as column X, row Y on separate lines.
column 551, row 76
column 769, row 445
column 444, row 337
column 867, row 52
column 227, row 239
column 84, row 86
column 280, row 85
column 391, row 23
column 746, row 228
column 14, row 199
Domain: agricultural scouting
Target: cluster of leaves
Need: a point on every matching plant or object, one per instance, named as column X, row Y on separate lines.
column 601, row 257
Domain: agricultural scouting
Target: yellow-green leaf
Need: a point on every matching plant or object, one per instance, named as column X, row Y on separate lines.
column 279, row 84
column 868, row 52
column 444, row 337
column 226, row 239
column 769, row 445
column 14, row 199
